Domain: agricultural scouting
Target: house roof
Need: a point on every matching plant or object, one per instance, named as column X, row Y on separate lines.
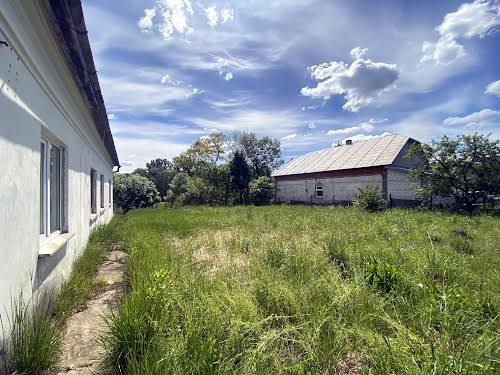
column 378, row 151
column 69, row 23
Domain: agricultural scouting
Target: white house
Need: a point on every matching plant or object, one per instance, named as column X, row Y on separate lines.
column 334, row 175
column 56, row 149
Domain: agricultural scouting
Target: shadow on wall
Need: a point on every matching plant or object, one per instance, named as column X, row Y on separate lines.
column 45, row 266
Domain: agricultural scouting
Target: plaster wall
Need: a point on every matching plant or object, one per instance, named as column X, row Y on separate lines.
column 38, row 96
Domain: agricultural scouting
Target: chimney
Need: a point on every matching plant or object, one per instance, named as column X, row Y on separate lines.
column 348, row 142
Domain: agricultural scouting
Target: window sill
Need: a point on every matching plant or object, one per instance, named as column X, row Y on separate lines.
column 103, row 210
column 53, row 245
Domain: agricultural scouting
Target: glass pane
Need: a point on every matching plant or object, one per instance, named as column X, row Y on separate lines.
column 93, row 182
column 102, row 191
column 42, row 187
column 55, row 188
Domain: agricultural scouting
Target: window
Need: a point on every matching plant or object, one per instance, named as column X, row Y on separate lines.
column 51, row 188
column 102, row 190
column 93, row 188
column 110, row 193
column 319, row 191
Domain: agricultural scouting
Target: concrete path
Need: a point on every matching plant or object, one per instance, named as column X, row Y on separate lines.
column 81, row 353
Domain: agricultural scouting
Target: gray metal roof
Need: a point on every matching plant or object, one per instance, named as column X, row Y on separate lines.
column 373, row 152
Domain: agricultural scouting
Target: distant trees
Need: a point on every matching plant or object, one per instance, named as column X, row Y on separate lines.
column 161, row 172
column 261, row 191
column 466, row 168
column 240, row 174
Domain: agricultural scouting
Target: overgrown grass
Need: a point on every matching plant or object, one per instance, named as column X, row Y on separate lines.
column 34, row 334
column 301, row 290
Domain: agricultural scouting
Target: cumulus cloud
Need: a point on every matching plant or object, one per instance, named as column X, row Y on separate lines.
column 172, row 16
column 493, row 88
column 168, row 80
column 111, row 116
column 310, row 108
column 476, row 19
column 312, row 125
column 367, row 126
column 227, row 14
column 228, row 76
column 212, row 16
column 194, row 92
column 127, row 163
column 482, row 117
column 361, row 138
column 361, row 82
column 358, row 52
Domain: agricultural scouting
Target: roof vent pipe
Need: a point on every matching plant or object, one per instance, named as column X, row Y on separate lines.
column 348, row 142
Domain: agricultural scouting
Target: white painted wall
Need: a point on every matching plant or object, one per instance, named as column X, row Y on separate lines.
column 38, row 95
column 400, row 185
column 335, row 189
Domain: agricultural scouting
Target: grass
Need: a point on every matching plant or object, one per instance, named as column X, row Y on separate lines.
column 35, row 335
column 301, row 290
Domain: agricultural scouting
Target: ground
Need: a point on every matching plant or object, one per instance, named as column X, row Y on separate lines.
column 301, row 290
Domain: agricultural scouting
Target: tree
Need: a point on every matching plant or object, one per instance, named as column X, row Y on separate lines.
column 141, row 172
column 177, row 188
column 133, row 191
column 203, row 152
column 161, row 172
column 263, row 155
column 466, row 168
column 240, row 174
column 261, row 191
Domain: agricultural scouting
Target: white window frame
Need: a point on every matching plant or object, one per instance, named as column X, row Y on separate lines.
column 110, row 193
column 319, row 188
column 45, row 194
column 101, row 191
column 93, row 210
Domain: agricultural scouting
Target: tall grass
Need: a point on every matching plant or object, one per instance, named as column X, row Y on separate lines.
column 301, row 290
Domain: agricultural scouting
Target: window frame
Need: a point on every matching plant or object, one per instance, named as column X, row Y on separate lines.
column 319, row 188
column 45, row 185
column 101, row 191
column 93, row 191
column 110, row 193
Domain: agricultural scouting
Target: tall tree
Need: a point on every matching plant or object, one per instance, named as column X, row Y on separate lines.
column 466, row 168
column 161, row 172
column 203, row 152
column 263, row 155
column 240, row 174
column 141, row 172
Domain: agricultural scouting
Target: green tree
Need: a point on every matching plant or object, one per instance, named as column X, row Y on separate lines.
column 161, row 172
column 261, row 191
column 178, row 188
column 141, row 172
column 262, row 155
column 466, row 168
column 133, row 191
column 203, row 152
column 240, row 174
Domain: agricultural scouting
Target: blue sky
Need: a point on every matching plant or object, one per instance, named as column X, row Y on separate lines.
column 310, row 72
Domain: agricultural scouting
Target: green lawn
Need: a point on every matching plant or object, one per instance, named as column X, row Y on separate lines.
column 307, row 290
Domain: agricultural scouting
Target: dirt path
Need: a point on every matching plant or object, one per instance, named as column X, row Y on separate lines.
column 81, row 353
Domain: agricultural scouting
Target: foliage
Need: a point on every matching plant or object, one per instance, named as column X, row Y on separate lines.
column 141, row 172
column 240, row 174
column 465, row 168
column 306, row 290
column 177, row 187
column 161, row 172
column 34, row 341
column 261, row 191
column 369, row 199
column 133, row 191
column 262, row 155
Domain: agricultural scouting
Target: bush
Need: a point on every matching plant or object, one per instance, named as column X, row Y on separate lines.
column 369, row 199
column 261, row 191
column 134, row 191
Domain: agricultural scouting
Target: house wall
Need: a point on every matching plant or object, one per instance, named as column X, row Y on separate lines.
column 400, row 185
column 335, row 189
column 38, row 95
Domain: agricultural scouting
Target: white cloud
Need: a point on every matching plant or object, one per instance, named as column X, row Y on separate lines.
column 111, row 116
column 126, row 163
column 194, row 92
column 367, row 126
column 172, row 15
column 290, row 136
column 358, row 52
column 476, row 19
column 212, row 15
column 228, row 76
column 310, row 108
column 312, row 125
column 167, row 80
column 146, row 22
column 493, row 88
column 361, row 82
column 482, row 117
column 227, row 14
column 362, row 138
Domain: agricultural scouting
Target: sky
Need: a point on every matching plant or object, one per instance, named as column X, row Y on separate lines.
column 312, row 73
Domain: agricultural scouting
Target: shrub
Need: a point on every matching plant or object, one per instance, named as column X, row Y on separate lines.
column 369, row 199
column 34, row 341
column 383, row 276
column 261, row 191
column 134, row 191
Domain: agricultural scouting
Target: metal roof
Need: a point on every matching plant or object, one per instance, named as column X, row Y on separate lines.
column 373, row 152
